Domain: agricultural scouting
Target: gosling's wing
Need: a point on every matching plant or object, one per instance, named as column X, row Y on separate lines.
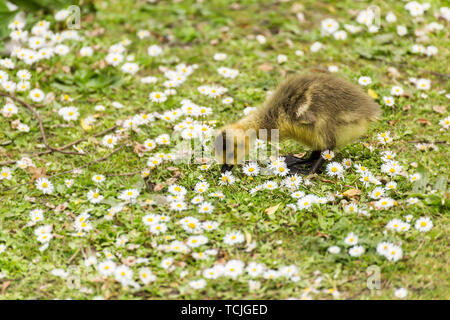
column 304, row 112
column 294, row 99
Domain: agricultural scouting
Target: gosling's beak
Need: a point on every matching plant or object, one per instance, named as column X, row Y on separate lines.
column 226, row 167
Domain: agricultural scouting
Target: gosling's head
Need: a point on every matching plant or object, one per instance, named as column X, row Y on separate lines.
column 231, row 147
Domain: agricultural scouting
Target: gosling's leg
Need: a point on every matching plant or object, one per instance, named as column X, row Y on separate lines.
column 317, row 165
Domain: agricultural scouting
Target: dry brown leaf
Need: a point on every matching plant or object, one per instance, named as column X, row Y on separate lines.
column 407, row 94
column 170, row 181
column 158, row 187
column 129, row 261
column 440, row 109
column 70, row 214
column 351, row 193
column 235, row 6
column 424, row 121
column 139, row 149
column 102, row 64
column 299, row 155
column 273, row 209
column 393, row 72
column 176, row 171
column 203, row 160
column 265, row 67
column 5, row 286
column 15, row 123
column 49, row 98
column 297, row 7
column 248, row 239
column 320, row 234
column 66, row 69
column 88, row 18
column 61, row 207
column 97, row 32
column 37, row 172
column 393, row 122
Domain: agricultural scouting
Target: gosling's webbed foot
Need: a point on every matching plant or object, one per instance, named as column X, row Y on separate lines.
column 295, row 163
column 292, row 161
column 299, row 170
column 304, row 170
column 226, row 167
column 313, row 164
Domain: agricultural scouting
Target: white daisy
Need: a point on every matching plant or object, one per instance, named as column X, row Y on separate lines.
column 233, row 238
column 423, row 224
column 351, row 239
column 44, row 185
column 356, row 251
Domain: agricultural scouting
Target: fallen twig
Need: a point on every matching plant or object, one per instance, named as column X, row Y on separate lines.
column 6, row 143
column 123, row 174
column 41, row 125
column 425, row 141
column 73, row 256
column 91, row 162
column 63, row 147
column 71, row 170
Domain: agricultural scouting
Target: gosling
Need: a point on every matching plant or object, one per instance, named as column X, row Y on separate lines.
column 319, row 111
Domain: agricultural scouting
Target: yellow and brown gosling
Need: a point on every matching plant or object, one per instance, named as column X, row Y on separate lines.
column 320, row 111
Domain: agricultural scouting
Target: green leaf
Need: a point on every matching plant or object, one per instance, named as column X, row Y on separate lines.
column 365, row 53
column 63, row 87
column 419, row 186
column 435, row 200
column 60, row 188
column 384, row 38
column 3, row 6
column 48, row 5
column 441, row 183
column 5, row 18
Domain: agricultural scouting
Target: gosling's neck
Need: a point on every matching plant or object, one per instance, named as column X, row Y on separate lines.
column 252, row 121
column 256, row 121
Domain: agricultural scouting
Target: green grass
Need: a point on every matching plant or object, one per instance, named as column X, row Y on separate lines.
column 195, row 32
